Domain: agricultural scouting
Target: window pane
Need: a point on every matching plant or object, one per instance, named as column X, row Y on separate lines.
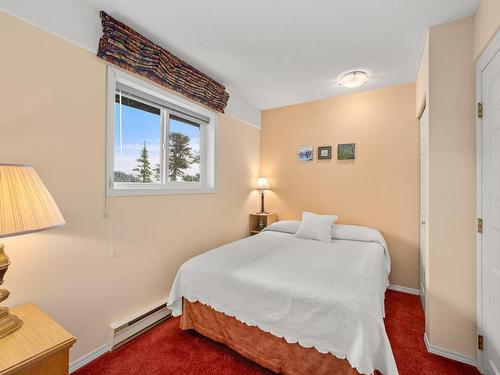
column 184, row 150
column 137, row 141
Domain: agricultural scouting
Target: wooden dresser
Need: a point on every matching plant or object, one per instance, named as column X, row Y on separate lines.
column 39, row 347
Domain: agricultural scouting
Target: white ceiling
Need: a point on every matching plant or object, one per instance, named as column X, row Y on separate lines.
column 279, row 52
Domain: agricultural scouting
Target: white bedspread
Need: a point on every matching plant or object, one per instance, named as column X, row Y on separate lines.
column 326, row 295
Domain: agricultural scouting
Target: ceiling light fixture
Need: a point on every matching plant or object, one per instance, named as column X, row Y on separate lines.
column 353, row 79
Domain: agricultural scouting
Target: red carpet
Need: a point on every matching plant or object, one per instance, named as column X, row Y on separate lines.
column 168, row 350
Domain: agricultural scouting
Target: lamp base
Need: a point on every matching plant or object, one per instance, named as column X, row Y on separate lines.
column 262, row 211
column 9, row 323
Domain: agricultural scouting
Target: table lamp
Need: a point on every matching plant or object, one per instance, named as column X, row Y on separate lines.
column 26, row 206
column 262, row 185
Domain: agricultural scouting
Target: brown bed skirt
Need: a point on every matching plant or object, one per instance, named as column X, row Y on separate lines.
column 269, row 351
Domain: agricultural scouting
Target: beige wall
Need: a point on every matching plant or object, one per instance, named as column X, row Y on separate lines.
column 447, row 81
column 97, row 270
column 486, row 24
column 452, row 174
column 378, row 189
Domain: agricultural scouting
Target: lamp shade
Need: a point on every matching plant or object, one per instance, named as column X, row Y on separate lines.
column 262, row 184
column 25, row 203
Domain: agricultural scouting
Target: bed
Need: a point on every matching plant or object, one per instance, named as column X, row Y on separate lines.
column 295, row 306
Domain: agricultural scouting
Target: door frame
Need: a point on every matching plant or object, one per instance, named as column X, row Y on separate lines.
column 421, row 112
column 483, row 60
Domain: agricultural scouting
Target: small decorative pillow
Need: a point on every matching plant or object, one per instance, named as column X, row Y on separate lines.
column 316, row 227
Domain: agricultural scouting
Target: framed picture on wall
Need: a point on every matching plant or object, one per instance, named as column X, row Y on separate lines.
column 305, row 153
column 346, row 151
column 324, row 152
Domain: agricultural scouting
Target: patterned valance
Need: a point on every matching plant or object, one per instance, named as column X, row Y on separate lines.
column 128, row 49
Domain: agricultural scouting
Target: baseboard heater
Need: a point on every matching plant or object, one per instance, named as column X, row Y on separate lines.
column 129, row 328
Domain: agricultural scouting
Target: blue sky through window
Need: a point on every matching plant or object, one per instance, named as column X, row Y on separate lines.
column 139, row 126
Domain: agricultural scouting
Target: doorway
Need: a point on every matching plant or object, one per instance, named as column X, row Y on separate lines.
column 488, row 164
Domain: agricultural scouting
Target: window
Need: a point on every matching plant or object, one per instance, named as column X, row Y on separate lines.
column 184, row 150
column 160, row 144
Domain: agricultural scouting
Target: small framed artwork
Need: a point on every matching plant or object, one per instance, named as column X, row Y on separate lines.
column 305, row 153
column 346, row 151
column 324, row 152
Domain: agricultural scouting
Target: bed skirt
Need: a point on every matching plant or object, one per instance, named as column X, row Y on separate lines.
column 261, row 347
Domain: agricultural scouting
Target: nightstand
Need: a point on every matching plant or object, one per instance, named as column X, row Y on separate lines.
column 39, row 347
column 260, row 221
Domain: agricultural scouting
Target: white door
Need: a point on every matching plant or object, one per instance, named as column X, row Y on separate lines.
column 490, row 210
column 424, row 118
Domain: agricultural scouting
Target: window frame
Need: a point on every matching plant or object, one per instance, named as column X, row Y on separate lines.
column 208, row 157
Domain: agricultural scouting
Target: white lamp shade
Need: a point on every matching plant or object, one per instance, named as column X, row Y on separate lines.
column 262, row 184
column 25, row 203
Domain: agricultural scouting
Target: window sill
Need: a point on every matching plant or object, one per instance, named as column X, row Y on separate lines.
column 117, row 192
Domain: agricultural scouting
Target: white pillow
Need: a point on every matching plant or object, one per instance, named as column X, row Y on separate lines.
column 357, row 233
column 316, row 227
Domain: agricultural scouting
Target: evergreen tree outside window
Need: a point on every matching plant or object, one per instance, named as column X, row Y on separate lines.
column 144, row 171
column 184, row 147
